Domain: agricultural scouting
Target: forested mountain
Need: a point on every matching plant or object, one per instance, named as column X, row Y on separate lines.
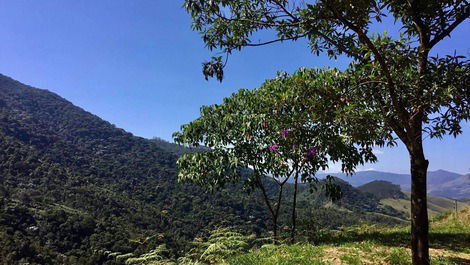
column 383, row 189
column 74, row 189
column 73, row 185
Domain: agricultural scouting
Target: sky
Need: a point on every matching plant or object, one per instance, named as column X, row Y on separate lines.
column 137, row 64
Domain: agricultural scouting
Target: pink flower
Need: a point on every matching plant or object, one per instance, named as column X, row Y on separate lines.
column 284, row 132
column 313, row 151
column 273, row 147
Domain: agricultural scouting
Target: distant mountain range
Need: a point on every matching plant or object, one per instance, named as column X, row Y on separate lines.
column 440, row 182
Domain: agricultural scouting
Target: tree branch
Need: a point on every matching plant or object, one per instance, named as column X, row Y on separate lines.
column 273, row 41
column 396, row 102
column 265, row 195
column 324, row 36
column 449, row 29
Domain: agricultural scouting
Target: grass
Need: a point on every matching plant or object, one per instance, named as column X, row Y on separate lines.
column 297, row 254
column 370, row 245
column 436, row 205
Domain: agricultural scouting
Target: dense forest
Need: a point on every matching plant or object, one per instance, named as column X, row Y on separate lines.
column 74, row 185
column 75, row 188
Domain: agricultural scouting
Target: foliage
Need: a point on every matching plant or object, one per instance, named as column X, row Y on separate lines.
column 370, row 245
column 221, row 244
column 269, row 129
column 154, row 257
column 279, row 132
column 383, row 190
column 393, row 76
column 75, row 189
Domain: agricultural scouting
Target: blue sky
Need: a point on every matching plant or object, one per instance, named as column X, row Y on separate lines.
column 137, row 64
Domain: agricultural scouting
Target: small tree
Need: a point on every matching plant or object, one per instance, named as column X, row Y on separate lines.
column 398, row 75
column 275, row 133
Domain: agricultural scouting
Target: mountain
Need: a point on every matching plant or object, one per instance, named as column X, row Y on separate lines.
column 363, row 177
column 440, row 182
column 391, row 195
column 457, row 188
column 383, row 189
column 440, row 177
column 75, row 188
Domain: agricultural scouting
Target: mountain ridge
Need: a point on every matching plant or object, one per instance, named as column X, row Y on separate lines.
column 440, row 182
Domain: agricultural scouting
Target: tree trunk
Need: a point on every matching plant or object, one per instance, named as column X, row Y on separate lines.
column 419, row 211
column 276, row 215
column 275, row 229
column 294, row 206
column 274, row 212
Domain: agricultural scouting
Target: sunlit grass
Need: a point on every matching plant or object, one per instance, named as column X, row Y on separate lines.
column 449, row 240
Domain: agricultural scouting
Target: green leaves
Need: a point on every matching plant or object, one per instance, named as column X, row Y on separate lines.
column 214, row 68
column 273, row 130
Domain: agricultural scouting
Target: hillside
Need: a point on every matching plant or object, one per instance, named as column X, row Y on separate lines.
column 436, row 205
column 383, row 189
column 365, row 244
column 74, row 187
column 77, row 190
column 458, row 188
column 449, row 244
column 392, row 196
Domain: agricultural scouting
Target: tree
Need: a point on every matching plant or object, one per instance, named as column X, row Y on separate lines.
column 273, row 132
column 411, row 97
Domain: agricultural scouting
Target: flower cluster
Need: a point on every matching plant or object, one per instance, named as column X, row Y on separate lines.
column 284, row 132
column 273, row 147
column 312, row 152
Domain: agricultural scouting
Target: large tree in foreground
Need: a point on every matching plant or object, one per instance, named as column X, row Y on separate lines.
column 275, row 133
column 397, row 74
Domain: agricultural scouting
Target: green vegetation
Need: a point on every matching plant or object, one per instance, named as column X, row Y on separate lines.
column 383, row 189
column 396, row 78
column 90, row 193
column 436, row 205
column 273, row 133
column 74, row 189
column 378, row 245
column 449, row 237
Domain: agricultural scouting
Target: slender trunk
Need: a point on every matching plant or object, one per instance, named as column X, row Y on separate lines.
column 419, row 211
column 275, row 230
column 270, row 208
column 294, row 206
column 276, row 215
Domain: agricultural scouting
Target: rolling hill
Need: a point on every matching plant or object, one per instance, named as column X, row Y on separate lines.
column 391, row 195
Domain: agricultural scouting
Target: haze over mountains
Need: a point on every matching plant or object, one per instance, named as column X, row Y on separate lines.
column 74, row 189
column 440, row 182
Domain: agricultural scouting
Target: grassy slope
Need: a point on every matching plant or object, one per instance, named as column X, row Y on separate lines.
column 436, row 205
column 449, row 236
